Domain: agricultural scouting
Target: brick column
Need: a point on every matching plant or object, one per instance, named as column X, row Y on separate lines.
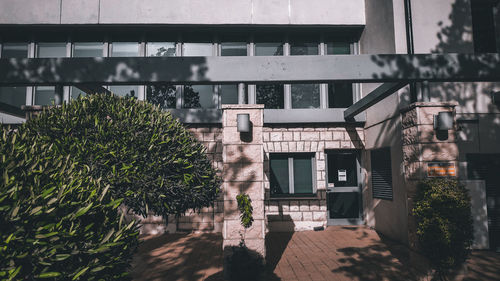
column 422, row 145
column 243, row 162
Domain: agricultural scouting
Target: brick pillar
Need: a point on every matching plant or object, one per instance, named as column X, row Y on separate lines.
column 423, row 145
column 243, row 159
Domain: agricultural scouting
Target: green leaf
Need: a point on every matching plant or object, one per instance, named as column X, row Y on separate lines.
column 80, row 273
column 83, row 210
column 49, row 274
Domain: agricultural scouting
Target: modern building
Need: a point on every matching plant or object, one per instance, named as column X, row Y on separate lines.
column 344, row 118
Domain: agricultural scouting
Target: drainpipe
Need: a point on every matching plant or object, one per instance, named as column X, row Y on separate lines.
column 409, row 45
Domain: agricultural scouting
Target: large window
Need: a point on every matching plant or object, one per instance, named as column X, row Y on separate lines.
column 233, row 49
column 163, row 95
column 13, row 96
column 305, row 95
column 161, row 49
column 229, row 94
column 340, row 95
column 272, row 96
column 197, row 49
column 125, row 49
column 47, row 95
column 301, row 47
column 85, row 50
column 338, row 48
column 291, row 174
column 199, row 96
column 381, row 173
column 268, row 49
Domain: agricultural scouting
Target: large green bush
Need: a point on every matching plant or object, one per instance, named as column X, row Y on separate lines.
column 66, row 173
column 444, row 223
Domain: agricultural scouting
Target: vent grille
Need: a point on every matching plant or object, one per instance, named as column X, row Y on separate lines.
column 381, row 173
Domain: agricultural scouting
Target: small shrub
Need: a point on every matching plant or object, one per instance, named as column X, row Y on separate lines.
column 246, row 210
column 444, row 223
column 66, row 173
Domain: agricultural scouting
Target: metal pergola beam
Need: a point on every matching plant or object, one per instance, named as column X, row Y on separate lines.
column 372, row 98
column 220, row 70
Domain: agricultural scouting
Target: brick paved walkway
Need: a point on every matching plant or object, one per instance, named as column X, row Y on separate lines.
column 338, row 253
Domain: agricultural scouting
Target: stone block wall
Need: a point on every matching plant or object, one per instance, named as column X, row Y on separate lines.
column 287, row 214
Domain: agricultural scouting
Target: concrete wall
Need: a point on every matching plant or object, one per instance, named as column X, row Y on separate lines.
column 304, row 213
column 283, row 12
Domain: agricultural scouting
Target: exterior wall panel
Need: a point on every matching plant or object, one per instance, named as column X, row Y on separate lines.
column 80, row 12
column 30, row 12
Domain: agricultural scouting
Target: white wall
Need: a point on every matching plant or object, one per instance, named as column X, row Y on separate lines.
column 283, row 12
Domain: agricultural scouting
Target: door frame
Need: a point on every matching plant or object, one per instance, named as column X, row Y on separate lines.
column 358, row 189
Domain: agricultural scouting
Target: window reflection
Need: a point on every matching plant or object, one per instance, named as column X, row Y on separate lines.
column 87, row 50
column 125, row 91
column 268, row 49
column 125, row 49
column 303, row 49
column 197, row 49
column 233, row 49
column 271, row 95
column 51, row 50
column 46, row 95
column 229, row 94
column 161, row 49
column 162, row 95
column 14, row 50
column 199, row 96
column 305, row 96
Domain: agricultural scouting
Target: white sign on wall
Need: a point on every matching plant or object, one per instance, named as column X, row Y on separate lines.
column 342, row 175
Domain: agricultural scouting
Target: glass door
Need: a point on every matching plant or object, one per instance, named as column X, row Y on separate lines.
column 343, row 187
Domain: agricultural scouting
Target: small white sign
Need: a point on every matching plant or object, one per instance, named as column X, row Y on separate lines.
column 342, row 175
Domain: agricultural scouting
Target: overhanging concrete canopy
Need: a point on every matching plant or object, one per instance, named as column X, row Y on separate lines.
column 219, row 70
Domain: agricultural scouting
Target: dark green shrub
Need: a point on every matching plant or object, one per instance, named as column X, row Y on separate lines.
column 66, row 172
column 444, row 223
column 246, row 210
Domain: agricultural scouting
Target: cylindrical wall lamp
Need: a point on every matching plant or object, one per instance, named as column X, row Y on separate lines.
column 243, row 122
column 443, row 121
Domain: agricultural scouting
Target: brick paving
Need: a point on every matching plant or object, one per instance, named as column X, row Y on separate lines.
column 338, row 253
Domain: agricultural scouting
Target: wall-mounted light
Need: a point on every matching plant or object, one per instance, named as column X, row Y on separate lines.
column 495, row 97
column 243, row 123
column 443, row 121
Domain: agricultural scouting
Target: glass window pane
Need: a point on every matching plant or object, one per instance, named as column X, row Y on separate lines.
column 302, row 49
column 87, row 50
column 125, row 91
column 51, row 50
column 229, row 94
column 15, row 96
column 14, row 50
column 339, row 95
column 338, row 48
column 268, row 49
column 46, row 95
column 197, row 49
column 233, row 49
column 343, row 205
column 161, row 49
column 305, row 96
column 162, row 95
column 199, row 96
column 272, row 96
column 125, row 49
column 302, row 174
column 75, row 93
column 279, row 181
column 342, row 169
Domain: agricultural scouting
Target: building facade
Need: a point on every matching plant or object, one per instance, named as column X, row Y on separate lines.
column 303, row 164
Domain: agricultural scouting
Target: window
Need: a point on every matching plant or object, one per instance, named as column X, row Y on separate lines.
column 483, row 26
column 164, row 95
column 233, row 49
column 87, row 50
column 272, row 96
column 305, row 96
column 197, row 49
column 304, row 48
column 381, row 173
column 199, row 96
column 51, row 50
column 229, row 94
column 14, row 50
column 14, row 96
column 125, row 91
column 47, row 95
column 268, row 49
column 340, row 95
column 291, row 174
column 125, row 49
column 342, row 168
column 335, row 48
column 161, row 49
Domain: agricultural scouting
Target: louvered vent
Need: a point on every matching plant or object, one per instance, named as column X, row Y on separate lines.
column 381, row 173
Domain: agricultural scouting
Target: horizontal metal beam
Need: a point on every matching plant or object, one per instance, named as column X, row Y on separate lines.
column 220, row 70
column 372, row 98
column 294, row 116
